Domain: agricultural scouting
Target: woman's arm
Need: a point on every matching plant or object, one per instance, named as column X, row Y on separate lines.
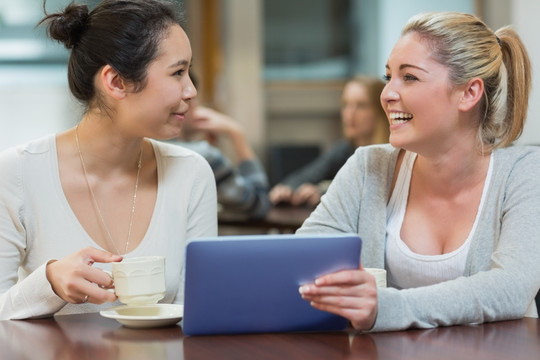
column 325, row 167
column 503, row 271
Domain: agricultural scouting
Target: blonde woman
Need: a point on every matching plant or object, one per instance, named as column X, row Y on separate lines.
column 449, row 209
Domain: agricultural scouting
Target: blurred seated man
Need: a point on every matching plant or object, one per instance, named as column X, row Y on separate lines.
column 364, row 123
column 241, row 188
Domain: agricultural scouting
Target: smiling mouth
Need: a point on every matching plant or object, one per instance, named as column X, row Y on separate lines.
column 399, row 117
column 179, row 116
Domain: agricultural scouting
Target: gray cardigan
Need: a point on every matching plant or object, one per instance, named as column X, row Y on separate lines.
column 502, row 274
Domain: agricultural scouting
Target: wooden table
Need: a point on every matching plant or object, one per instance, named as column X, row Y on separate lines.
column 283, row 219
column 90, row 336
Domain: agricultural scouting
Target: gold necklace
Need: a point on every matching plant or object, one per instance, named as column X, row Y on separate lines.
column 96, row 203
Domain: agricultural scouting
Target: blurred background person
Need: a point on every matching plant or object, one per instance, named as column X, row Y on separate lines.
column 363, row 122
column 242, row 186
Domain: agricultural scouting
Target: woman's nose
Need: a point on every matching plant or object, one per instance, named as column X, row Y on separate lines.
column 189, row 90
column 389, row 94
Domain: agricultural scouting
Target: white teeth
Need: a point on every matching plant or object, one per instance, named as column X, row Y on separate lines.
column 399, row 117
column 395, row 122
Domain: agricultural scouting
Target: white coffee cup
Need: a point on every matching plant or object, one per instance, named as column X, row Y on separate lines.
column 139, row 280
column 379, row 274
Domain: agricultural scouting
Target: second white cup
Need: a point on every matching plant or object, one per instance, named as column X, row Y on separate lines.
column 380, row 276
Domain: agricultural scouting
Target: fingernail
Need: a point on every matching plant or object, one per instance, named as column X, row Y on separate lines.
column 302, row 289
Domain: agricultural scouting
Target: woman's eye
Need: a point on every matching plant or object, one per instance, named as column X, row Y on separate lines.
column 386, row 78
column 409, row 77
column 179, row 73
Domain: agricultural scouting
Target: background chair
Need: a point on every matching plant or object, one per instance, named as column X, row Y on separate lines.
column 286, row 158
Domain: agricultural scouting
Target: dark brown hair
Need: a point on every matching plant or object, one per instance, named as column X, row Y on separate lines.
column 124, row 34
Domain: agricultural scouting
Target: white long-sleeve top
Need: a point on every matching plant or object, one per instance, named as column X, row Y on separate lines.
column 37, row 224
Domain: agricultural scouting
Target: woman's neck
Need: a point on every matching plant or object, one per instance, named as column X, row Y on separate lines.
column 451, row 172
column 105, row 148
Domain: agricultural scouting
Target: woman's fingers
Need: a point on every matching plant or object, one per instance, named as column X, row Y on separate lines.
column 345, row 277
column 92, row 255
column 360, row 310
column 361, row 318
column 306, row 193
column 75, row 280
column 97, row 294
column 99, row 277
column 97, row 286
column 280, row 193
column 349, row 293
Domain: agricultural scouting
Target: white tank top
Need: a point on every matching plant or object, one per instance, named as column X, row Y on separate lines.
column 407, row 269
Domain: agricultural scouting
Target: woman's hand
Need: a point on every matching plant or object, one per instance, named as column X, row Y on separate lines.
column 75, row 280
column 349, row 293
column 306, row 194
column 214, row 124
column 280, row 194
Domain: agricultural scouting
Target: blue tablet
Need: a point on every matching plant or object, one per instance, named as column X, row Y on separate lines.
column 249, row 283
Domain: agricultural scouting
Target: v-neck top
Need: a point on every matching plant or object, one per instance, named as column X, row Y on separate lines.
column 407, row 269
column 37, row 224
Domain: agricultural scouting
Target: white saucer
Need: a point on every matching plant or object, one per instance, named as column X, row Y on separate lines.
column 145, row 316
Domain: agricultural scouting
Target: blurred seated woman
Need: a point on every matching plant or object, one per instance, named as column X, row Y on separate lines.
column 364, row 123
column 242, row 185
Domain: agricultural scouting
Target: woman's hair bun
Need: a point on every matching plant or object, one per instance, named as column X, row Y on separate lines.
column 68, row 27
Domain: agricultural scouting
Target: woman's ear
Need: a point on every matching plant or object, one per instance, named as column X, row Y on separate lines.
column 112, row 83
column 472, row 94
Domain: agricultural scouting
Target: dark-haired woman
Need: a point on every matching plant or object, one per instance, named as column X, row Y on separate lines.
column 72, row 203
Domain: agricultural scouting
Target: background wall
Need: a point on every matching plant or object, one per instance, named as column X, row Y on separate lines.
column 36, row 101
column 523, row 15
column 393, row 14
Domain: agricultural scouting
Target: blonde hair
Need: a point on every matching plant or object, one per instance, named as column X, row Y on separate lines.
column 469, row 48
column 374, row 86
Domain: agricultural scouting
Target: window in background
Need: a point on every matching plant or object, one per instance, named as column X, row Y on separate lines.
column 20, row 41
column 308, row 39
column 34, row 95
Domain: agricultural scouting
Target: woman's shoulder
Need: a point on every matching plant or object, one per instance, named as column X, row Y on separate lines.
column 378, row 161
column 36, row 146
column 13, row 154
column 518, row 154
column 27, row 158
column 203, row 148
column 173, row 154
column 174, row 150
column 518, row 162
column 377, row 152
